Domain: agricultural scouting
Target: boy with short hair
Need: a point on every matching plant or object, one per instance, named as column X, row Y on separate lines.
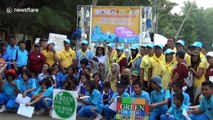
column 177, row 88
column 175, row 112
column 138, row 91
column 121, row 92
column 205, row 110
column 159, row 98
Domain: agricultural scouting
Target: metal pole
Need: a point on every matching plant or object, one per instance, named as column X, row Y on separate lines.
column 184, row 20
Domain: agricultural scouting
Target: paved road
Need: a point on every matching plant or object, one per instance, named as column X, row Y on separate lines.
column 14, row 116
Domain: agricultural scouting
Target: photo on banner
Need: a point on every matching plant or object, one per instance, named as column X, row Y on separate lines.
column 132, row 109
column 117, row 24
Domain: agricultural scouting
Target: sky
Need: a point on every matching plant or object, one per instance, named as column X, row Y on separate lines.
column 200, row 3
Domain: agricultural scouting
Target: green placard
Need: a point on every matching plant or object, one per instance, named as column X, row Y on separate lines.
column 64, row 104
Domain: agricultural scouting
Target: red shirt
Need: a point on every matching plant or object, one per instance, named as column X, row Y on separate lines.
column 209, row 72
column 182, row 71
column 36, row 62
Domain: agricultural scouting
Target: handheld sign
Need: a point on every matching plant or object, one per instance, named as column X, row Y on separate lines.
column 58, row 39
column 132, row 109
column 64, row 104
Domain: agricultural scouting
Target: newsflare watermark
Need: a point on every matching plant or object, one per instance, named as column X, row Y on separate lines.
column 21, row 10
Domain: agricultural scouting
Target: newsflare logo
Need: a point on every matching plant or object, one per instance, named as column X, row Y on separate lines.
column 21, row 10
column 9, row 10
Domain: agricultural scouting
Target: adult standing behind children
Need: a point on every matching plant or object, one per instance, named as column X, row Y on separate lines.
column 84, row 52
column 66, row 56
column 20, row 57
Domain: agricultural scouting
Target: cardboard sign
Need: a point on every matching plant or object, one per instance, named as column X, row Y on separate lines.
column 64, row 104
column 57, row 39
column 132, row 109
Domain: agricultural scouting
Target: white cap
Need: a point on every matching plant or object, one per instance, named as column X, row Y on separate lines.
column 209, row 54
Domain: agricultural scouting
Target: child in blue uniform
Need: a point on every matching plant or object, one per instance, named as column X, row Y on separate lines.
column 138, row 91
column 9, row 89
column 42, row 97
column 94, row 105
column 159, row 98
column 175, row 112
column 107, row 93
column 27, row 84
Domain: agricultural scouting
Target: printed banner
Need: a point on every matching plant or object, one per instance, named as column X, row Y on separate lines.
column 118, row 24
column 132, row 109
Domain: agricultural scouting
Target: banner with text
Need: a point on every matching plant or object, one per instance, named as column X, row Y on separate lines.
column 118, row 24
column 132, row 109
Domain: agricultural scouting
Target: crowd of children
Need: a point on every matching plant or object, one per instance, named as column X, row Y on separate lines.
column 171, row 79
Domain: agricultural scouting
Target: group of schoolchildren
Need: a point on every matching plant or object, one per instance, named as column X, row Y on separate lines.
column 104, row 78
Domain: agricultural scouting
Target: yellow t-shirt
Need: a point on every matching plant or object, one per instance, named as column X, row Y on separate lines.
column 156, row 65
column 66, row 57
column 145, row 65
column 198, row 82
column 50, row 57
column 167, row 73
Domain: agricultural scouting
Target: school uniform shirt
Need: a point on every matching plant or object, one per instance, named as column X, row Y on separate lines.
column 177, row 112
column 156, row 65
column 27, row 85
column 50, row 57
column 80, row 55
column 186, row 100
column 107, row 95
column 206, row 106
column 198, row 81
column 59, row 78
column 159, row 96
column 66, row 57
column 22, row 57
column 96, row 99
column 144, row 95
column 125, row 94
column 37, row 61
column 9, row 90
column 129, row 89
column 48, row 93
column 11, row 50
column 82, row 89
column 145, row 65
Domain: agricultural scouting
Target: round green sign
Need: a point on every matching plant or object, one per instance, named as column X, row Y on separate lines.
column 64, row 104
